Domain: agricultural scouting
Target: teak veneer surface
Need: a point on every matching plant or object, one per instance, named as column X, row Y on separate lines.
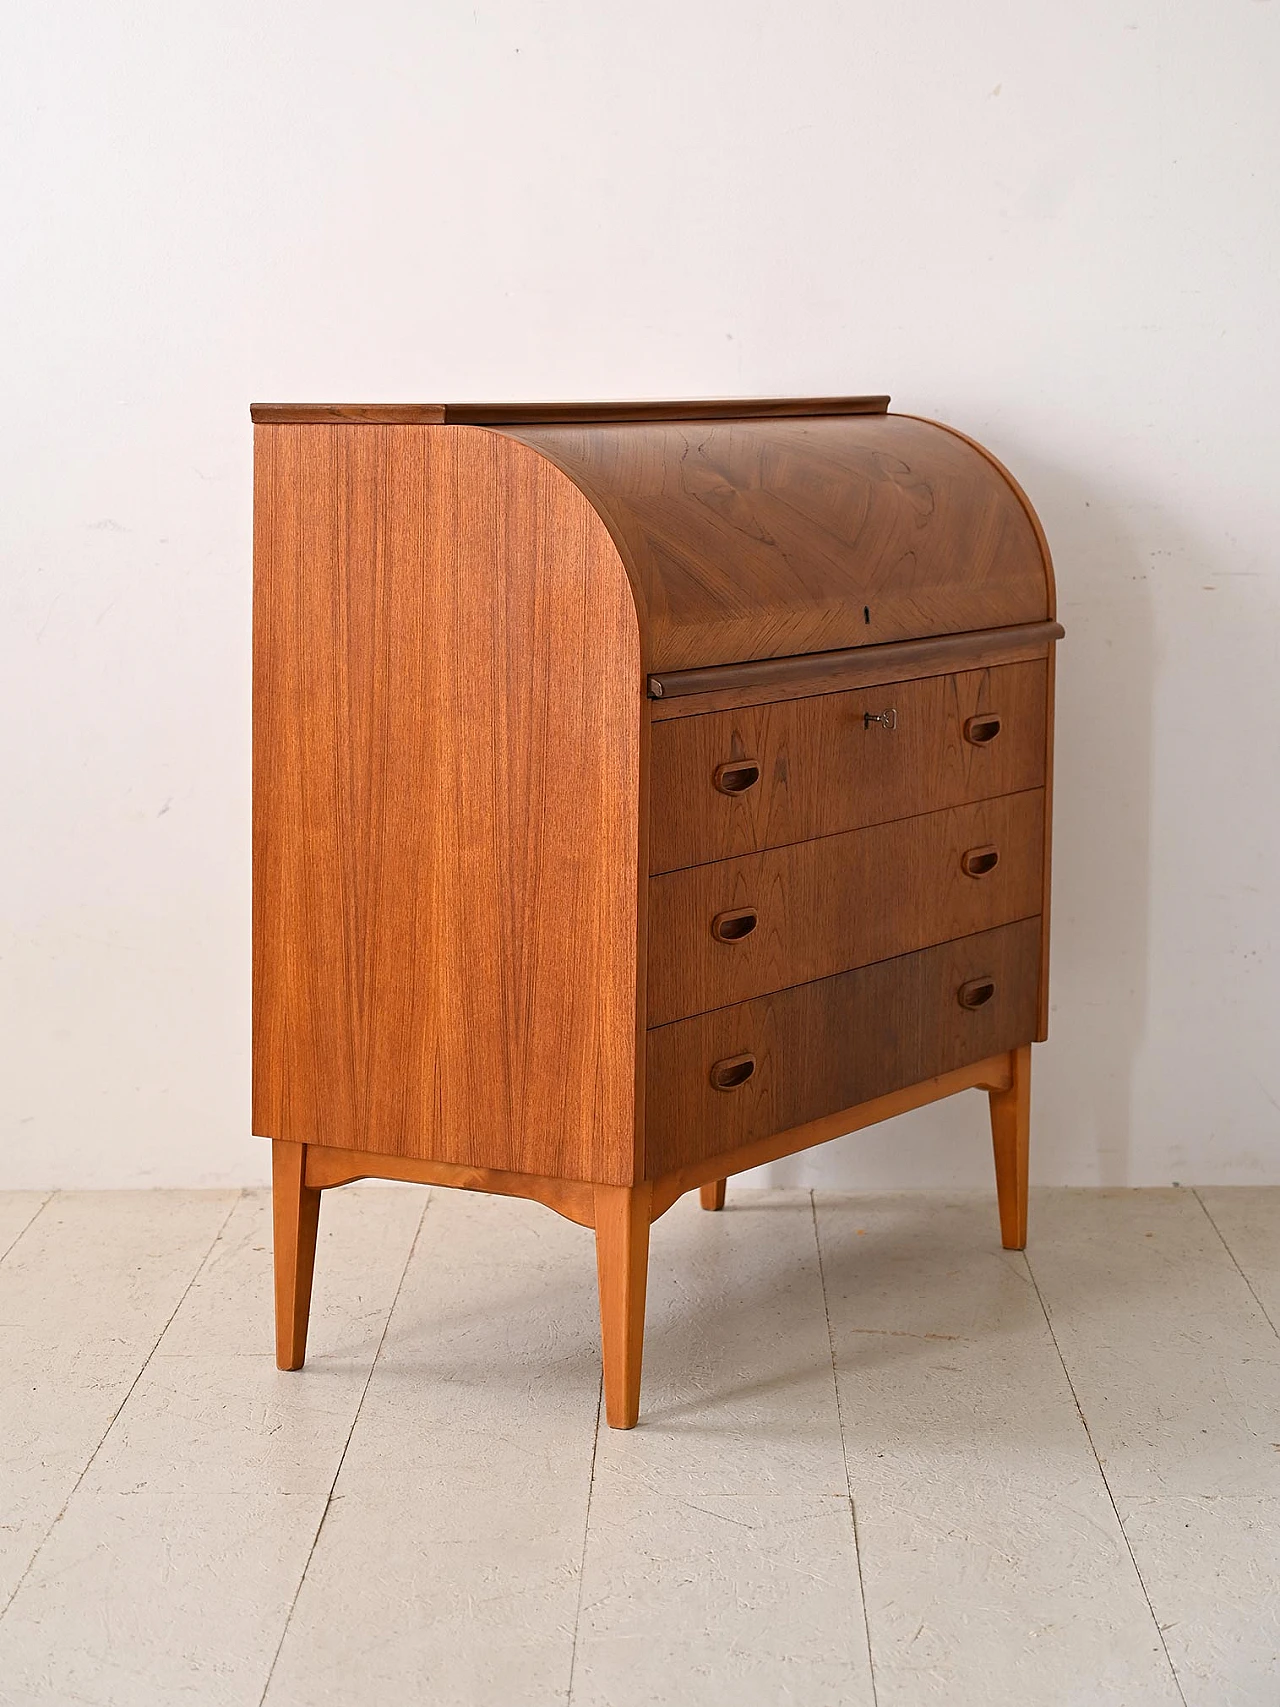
column 765, row 539
column 445, row 804
column 827, row 1046
column 781, row 532
column 828, row 905
column 621, row 819
column 994, row 1074
column 825, row 768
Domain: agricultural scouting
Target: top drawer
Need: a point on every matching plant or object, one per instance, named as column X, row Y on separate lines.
column 732, row 782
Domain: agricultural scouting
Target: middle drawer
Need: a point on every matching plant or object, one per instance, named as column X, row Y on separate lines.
column 740, row 928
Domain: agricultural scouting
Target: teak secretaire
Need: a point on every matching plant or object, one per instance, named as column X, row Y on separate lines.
column 642, row 792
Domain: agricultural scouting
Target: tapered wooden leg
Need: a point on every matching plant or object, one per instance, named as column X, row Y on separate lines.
column 295, row 1210
column 622, row 1265
column 1011, row 1132
column 711, row 1195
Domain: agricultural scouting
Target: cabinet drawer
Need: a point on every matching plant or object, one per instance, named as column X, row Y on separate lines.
column 739, row 928
column 731, row 782
column 819, row 1048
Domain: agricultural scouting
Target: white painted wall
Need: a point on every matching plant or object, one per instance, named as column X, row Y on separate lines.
column 1053, row 225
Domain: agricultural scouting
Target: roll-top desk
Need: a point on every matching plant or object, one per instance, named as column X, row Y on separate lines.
column 642, row 792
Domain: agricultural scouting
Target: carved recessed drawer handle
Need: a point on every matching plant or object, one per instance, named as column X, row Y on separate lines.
column 981, row 731
column 736, row 776
column 733, row 1071
column 733, row 926
column 887, row 719
column 977, row 862
column 976, row 993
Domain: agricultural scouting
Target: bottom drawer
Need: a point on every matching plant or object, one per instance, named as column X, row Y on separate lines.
column 818, row 1048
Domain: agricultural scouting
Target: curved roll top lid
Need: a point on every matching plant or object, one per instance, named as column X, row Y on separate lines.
column 754, row 529
column 769, row 538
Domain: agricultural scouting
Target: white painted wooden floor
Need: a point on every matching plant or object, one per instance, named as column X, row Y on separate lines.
column 879, row 1460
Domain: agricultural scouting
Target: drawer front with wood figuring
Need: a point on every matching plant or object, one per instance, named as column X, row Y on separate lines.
column 731, row 782
column 726, row 932
column 745, row 1072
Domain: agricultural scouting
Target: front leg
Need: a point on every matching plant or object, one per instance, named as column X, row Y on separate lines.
column 622, row 1265
column 295, row 1211
column 1011, row 1136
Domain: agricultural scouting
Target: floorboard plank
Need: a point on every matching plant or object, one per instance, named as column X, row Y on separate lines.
column 1247, row 1218
column 1178, row 1374
column 488, row 1541
column 84, row 1295
column 447, row 1567
column 18, row 1209
column 721, row 1563
column 171, row 1574
column 994, row 1564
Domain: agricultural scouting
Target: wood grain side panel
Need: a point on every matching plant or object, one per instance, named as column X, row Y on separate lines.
column 827, row 1046
column 763, row 539
column 447, row 715
column 824, row 768
column 829, row 905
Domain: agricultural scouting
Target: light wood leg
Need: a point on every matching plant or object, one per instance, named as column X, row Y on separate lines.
column 622, row 1265
column 1010, row 1133
column 295, row 1208
column 711, row 1195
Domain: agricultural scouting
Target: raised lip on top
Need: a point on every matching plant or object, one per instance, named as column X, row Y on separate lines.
column 549, row 414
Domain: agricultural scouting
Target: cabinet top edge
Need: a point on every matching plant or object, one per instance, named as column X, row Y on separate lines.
column 549, row 414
